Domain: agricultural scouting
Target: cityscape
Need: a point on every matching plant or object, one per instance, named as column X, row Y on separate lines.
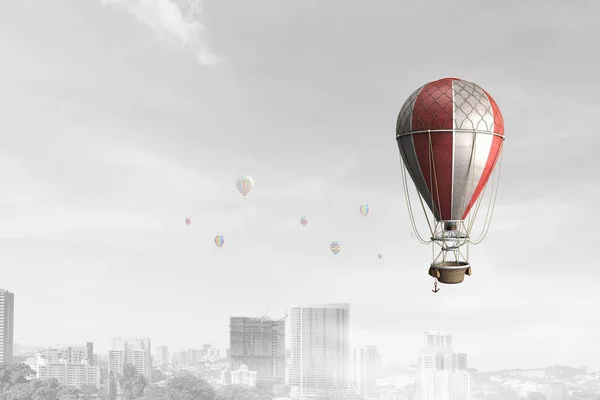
column 318, row 364
column 299, row 200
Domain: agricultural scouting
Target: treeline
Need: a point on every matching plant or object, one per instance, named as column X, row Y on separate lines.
column 17, row 382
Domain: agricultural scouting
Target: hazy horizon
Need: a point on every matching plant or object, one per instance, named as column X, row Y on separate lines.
column 121, row 118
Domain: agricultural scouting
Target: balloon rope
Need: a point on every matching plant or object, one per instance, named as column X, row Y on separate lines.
column 475, row 206
column 410, row 212
column 492, row 201
column 494, row 195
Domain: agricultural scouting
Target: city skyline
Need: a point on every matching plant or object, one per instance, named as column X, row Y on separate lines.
column 113, row 133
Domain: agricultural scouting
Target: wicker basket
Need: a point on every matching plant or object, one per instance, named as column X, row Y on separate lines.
column 450, row 272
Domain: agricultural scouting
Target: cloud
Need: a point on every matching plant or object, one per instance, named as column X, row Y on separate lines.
column 171, row 20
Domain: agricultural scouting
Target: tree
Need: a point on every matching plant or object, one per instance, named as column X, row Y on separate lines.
column 189, row 384
column 183, row 387
column 18, row 392
column 536, row 396
column 112, row 386
column 157, row 376
column 18, row 383
column 504, row 395
column 132, row 383
column 158, row 393
column 47, row 389
column 237, row 392
column 69, row 393
column 89, row 392
column 14, row 374
column 263, row 394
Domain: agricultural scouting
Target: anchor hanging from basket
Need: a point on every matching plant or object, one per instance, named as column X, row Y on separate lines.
column 435, row 288
column 450, row 134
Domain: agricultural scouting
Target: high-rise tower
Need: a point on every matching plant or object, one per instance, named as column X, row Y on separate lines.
column 320, row 359
column 7, row 310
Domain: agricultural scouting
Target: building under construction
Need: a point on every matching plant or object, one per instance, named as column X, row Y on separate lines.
column 259, row 343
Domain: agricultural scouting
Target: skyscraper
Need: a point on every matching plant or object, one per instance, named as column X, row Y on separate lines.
column 7, row 310
column 90, row 356
column 442, row 372
column 72, row 354
column 437, row 353
column 437, row 340
column 73, row 365
column 161, row 355
column 243, row 377
column 364, row 371
column 320, row 337
column 128, row 351
column 258, row 343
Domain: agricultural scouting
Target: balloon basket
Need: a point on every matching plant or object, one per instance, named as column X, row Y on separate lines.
column 450, row 272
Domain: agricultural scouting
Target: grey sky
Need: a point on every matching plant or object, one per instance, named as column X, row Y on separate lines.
column 121, row 118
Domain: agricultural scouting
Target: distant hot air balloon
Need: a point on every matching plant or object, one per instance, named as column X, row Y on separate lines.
column 450, row 133
column 335, row 248
column 188, row 221
column 380, row 256
column 219, row 240
column 364, row 209
column 303, row 221
column 244, row 185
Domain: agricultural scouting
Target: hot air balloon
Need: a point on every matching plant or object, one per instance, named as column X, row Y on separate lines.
column 335, row 248
column 303, row 221
column 380, row 256
column 450, row 134
column 244, row 185
column 364, row 209
column 219, row 240
column 188, row 221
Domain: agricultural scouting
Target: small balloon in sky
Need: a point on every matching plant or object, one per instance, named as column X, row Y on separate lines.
column 380, row 256
column 244, row 185
column 188, row 221
column 303, row 221
column 364, row 209
column 219, row 240
column 335, row 248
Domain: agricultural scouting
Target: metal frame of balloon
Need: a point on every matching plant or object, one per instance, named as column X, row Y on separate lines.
column 459, row 236
column 475, row 131
column 451, row 236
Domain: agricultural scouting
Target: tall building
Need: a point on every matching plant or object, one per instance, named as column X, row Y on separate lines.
column 446, row 385
column 437, row 353
column 365, row 359
column 437, row 340
column 194, row 356
column 442, row 372
column 161, row 355
column 181, row 357
column 91, row 357
column 258, row 343
column 72, row 354
column 128, row 351
column 72, row 365
column 320, row 360
column 243, row 376
column 7, row 310
column 209, row 353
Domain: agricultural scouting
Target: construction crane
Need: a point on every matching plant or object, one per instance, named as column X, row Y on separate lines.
column 285, row 316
